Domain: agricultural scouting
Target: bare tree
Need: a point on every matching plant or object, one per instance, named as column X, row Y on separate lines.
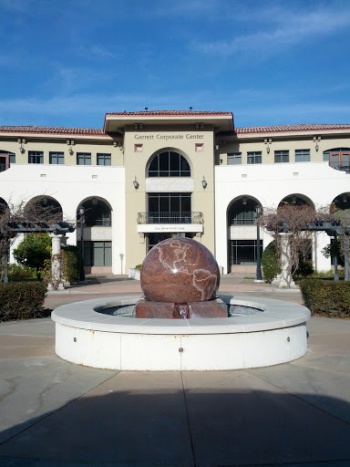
column 287, row 224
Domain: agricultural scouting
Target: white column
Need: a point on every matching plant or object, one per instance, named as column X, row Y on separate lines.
column 56, row 273
column 284, row 279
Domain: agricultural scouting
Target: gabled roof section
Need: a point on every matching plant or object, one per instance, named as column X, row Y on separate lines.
column 50, row 131
column 117, row 121
column 297, row 128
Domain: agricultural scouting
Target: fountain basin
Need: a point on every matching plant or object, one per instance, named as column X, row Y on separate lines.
column 275, row 334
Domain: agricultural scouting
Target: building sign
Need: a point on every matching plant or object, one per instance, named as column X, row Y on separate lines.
column 167, row 137
column 153, row 228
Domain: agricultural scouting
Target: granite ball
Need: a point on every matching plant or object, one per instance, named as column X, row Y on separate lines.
column 180, row 270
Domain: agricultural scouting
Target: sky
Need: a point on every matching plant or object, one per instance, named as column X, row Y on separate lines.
column 271, row 62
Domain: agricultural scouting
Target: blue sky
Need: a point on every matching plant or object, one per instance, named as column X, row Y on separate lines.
column 270, row 62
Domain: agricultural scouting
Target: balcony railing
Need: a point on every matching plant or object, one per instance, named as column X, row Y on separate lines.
column 170, row 217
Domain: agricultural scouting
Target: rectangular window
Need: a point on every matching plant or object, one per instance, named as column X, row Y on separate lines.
column 83, row 158
column 234, row 158
column 302, row 155
column 35, row 157
column 254, row 157
column 281, row 156
column 103, row 159
column 12, row 158
column 56, row 158
column 97, row 253
column 169, row 208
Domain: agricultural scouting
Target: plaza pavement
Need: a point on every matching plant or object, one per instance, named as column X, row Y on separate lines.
column 54, row 413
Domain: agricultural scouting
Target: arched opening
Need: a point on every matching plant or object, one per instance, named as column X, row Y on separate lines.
column 94, row 233
column 165, row 207
column 97, row 213
column 168, row 163
column 296, row 199
column 243, row 235
column 43, row 208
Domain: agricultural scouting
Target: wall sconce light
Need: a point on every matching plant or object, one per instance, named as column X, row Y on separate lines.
column 268, row 141
column 119, row 145
column 21, row 141
column 316, row 140
column 204, row 183
column 244, row 201
column 70, row 144
column 217, row 147
column 136, row 183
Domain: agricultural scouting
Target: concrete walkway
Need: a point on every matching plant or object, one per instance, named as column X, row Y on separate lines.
column 54, row 413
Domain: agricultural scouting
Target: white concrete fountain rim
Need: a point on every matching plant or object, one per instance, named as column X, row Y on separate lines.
column 273, row 314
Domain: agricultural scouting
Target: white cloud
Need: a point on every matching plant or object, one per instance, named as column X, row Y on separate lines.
column 279, row 30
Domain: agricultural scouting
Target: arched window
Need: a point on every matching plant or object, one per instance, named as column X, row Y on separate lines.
column 96, row 213
column 242, row 212
column 338, row 158
column 169, row 164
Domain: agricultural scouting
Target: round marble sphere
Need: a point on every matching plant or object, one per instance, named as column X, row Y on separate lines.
column 180, row 270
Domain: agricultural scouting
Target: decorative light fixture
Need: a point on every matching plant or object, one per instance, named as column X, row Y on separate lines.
column 258, row 212
column 82, row 224
column 268, row 141
column 136, row 183
column 70, row 144
column 316, row 140
column 216, row 147
column 21, row 141
column 204, row 183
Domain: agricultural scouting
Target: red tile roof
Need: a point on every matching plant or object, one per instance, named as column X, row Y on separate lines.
column 52, row 130
column 167, row 113
column 307, row 127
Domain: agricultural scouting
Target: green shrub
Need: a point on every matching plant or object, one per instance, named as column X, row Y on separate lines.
column 22, row 300
column 270, row 262
column 71, row 271
column 328, row 298
column 17, row 272
column 305, row 269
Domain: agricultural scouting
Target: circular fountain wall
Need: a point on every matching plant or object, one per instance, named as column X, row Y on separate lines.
column 274, row 333
column 179, row 323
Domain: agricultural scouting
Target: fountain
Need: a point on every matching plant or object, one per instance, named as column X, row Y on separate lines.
column 180, row 323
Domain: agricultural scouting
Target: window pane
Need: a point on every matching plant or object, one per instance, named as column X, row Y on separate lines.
column 56, row 158
column 169, row 164
column 83, row 158
column 103, row 159
column 35, row 157
column 281, row 156
column 254, row 157
column 302, row 155
column 234, row 158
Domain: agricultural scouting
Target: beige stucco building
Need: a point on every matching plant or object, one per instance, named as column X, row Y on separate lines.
column 149, row 175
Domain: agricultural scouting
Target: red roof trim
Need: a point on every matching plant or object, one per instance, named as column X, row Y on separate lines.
column 52, row 130
column 307, row 127
column 167, row 113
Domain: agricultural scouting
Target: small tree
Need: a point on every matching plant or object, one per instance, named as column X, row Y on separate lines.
column 270, row 262
column 33, row 251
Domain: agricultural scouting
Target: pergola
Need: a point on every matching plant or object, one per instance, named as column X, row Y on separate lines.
column 11, row 228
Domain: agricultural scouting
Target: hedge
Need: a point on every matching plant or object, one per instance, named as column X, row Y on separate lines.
column 327, row 298
column 22, row 300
